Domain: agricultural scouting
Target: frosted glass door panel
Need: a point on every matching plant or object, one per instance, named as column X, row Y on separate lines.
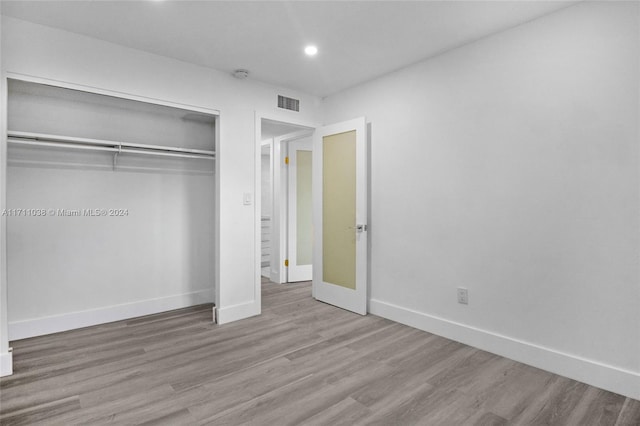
column 339, row 209
column 304, row 216
column 300, row 210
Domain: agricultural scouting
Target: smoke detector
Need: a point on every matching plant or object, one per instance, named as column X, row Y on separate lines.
column 241, row 74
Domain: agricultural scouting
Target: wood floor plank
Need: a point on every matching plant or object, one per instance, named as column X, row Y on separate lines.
column 109, row 411
column 223, row 365
column 46, row 411
column 473, row 375
column 518, row 388
column 486, row 419
column 597, row 407
column 554, row 404
column 315, row 393
column 346, row 412
column 301, row 363
column 179, row 417
column 410, row 408
column 261, row 380
column 403, row 380
column 19, row 399
column 629, row 414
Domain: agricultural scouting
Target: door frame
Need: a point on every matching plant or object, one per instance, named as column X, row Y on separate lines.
column 280, row 200
column 277, row 176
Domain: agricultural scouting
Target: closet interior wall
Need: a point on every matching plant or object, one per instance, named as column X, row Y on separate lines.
column 153, row 251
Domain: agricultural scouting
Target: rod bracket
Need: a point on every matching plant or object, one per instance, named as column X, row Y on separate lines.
column 115, row 156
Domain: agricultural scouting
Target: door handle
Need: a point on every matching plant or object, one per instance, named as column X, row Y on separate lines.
column 359, row 228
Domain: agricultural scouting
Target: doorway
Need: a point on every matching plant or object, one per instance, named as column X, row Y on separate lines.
column 278, row 213
column 338, row 208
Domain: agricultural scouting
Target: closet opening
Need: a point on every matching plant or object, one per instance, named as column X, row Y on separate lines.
column 111, row 207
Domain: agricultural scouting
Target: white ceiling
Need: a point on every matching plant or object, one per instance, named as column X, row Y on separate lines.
column 357, row 40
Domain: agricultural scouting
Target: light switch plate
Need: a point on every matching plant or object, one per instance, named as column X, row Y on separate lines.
column 463, row 296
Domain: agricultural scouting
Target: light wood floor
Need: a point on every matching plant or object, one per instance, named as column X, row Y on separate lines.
column 301, row 362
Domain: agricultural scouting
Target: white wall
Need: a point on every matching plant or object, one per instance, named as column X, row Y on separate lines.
column 44, row 52
column 45, row 109
column 157, row 256
column 510, row 166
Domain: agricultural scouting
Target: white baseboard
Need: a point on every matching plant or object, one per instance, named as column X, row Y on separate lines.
column 614, row 379
column 237, row 312
column 54, row 324
column 6, row 363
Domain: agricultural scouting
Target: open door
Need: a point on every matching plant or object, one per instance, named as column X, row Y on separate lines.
column 300, row 235
column 339, row 215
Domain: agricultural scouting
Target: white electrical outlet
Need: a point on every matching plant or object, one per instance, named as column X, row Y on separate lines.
column 463, row 296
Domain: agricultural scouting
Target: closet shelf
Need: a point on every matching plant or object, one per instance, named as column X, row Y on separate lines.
column 56, row 141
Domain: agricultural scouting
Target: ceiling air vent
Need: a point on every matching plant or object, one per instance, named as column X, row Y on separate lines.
column 288, row 103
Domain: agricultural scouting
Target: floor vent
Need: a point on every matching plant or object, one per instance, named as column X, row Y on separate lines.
column 288, row 103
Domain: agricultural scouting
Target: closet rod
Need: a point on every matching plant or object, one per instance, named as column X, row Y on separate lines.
column 61, row 145
column 167, row 154
column 107, row 149
column 69, row 141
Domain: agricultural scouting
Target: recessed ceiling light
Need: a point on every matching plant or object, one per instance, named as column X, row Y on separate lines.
column 311, row 50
